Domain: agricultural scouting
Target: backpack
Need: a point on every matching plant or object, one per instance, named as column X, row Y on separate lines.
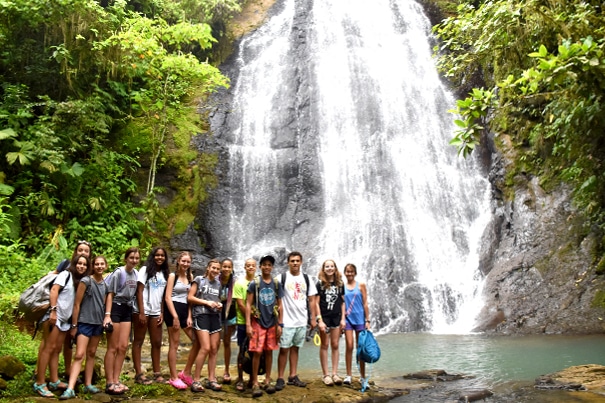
column 246, row 361
column 257, row 281
column 122, row 281
column 367, row 347
column 35, row 300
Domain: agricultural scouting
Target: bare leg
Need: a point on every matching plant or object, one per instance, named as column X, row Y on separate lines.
column 334, row 341
column 76, row 365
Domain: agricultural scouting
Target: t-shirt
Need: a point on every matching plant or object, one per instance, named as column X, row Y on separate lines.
column 209, row 291
column 92, row 307
column 153, row 293
column 239, row 292
column 65, row 301
column 124, row 295
column 330, row 299
column 294, row 303
column 267, row 300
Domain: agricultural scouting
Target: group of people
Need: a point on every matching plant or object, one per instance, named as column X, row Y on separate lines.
column 267, row 312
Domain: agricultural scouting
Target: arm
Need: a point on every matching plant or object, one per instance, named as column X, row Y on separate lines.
column 313, row 306
column 77, row 302
column 54, row 296
column 364, row 298
column 108, row 304
column 249, row 300
column 168, row 299
column 141, row 304
column 343, row 318
column 317, row 309
column 280, row 320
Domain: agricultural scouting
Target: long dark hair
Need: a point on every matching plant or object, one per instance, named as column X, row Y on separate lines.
column 76, row 277
column 152, row 267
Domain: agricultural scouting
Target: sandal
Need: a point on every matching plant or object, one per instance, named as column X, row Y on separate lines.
column 42, row 390
column 158, row 378
column 123, row 387
column 328, row 380
column 227, row 379
column 214, row 385
column 269, row 388
column 197, row 387
column 337, row 380
column 110, row 389
column 92, row 389
column 59, row 385
column 142, row 379
column 256, row 391
column 68, row 394
column 239, row 386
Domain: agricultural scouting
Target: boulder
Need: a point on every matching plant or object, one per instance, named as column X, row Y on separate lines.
column 10, row 367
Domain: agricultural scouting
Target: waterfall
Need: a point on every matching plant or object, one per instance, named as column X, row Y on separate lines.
column 337, row 139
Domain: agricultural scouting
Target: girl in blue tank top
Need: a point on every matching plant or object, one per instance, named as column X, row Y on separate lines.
column 357, row 317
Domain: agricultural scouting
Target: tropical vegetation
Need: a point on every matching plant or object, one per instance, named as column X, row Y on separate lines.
column 541, row 69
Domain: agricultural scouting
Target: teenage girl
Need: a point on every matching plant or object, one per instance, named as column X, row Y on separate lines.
column 357, row 318
column 87, row 326
column 331, row 320
column 177, row 317
column 56, row 323
column 228, row 314
column 204, row 299
column 118, row 312
column 148, row 313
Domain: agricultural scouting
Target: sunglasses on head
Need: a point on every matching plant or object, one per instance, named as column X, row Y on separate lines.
column 84, row 242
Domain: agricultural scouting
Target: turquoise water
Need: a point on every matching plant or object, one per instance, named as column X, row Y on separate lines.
column 493, row 360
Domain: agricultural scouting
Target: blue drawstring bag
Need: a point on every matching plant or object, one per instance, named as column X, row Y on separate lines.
column 367, row 347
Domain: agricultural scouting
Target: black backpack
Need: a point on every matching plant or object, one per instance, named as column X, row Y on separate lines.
column 246, row 362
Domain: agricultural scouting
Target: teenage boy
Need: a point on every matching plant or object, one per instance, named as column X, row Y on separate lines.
column 240, row 290
column 263, row 313
column 297, row 289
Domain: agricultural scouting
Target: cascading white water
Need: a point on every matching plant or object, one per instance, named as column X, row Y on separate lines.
column 396, row 199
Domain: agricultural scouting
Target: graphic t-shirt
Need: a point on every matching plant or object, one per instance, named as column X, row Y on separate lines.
column 209, row 291
column 267, row 300
column 330, row 299
column 153, row 293
column 294, row 302
column 123, row 294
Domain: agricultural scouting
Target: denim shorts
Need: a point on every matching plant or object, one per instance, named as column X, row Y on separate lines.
column 121, row 313
column 88, row 330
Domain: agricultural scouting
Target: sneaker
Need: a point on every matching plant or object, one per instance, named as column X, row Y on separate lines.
column 256, row 391
column 185, row 378
column 269, row 388
column 178, row 384
column 295, row 380
column 365, row 384
column 68, row 394
column 336, row 379
column 280, row 384
column 92, row 389
column 347, row 380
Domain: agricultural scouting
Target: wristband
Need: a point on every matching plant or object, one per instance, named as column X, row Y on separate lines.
column 367, row 320
column 74, row 326
column 53, row 308
column 318, row 317
column 281, row 324
column 107, row 313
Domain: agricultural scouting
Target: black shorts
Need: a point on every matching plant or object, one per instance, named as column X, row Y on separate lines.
column 182, row 310
column 208, row 323
column 331, row 322
column 241, row 335
column 121, row 313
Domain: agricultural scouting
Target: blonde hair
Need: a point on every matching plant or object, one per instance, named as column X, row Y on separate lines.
column 323, row 279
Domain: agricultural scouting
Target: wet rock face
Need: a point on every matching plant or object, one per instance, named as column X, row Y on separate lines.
column 538, row 263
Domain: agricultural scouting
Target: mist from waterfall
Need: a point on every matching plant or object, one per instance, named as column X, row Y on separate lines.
column 394, row 198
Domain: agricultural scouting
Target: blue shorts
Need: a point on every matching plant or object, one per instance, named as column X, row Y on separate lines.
column 293, row 337
column 357, row 328
column 88, row 330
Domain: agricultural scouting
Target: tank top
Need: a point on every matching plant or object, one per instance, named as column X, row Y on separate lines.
column 356, row 314
column 180, row 292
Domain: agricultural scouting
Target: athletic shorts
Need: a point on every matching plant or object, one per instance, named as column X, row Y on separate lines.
column 293, row 337
column 207, row 323
column 230, row 322
column 332, row 322
column 263, row 339
column 182, row 311
column 121, row 313
column 241, row 335
column 357, row 328
column 88, row 330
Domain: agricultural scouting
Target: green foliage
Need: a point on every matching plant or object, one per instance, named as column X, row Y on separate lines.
column 541, row 59
column 18, row 344
column 473, row 112
column 88, row 95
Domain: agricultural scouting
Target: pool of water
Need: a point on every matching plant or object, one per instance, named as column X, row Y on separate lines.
column 492, row 360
